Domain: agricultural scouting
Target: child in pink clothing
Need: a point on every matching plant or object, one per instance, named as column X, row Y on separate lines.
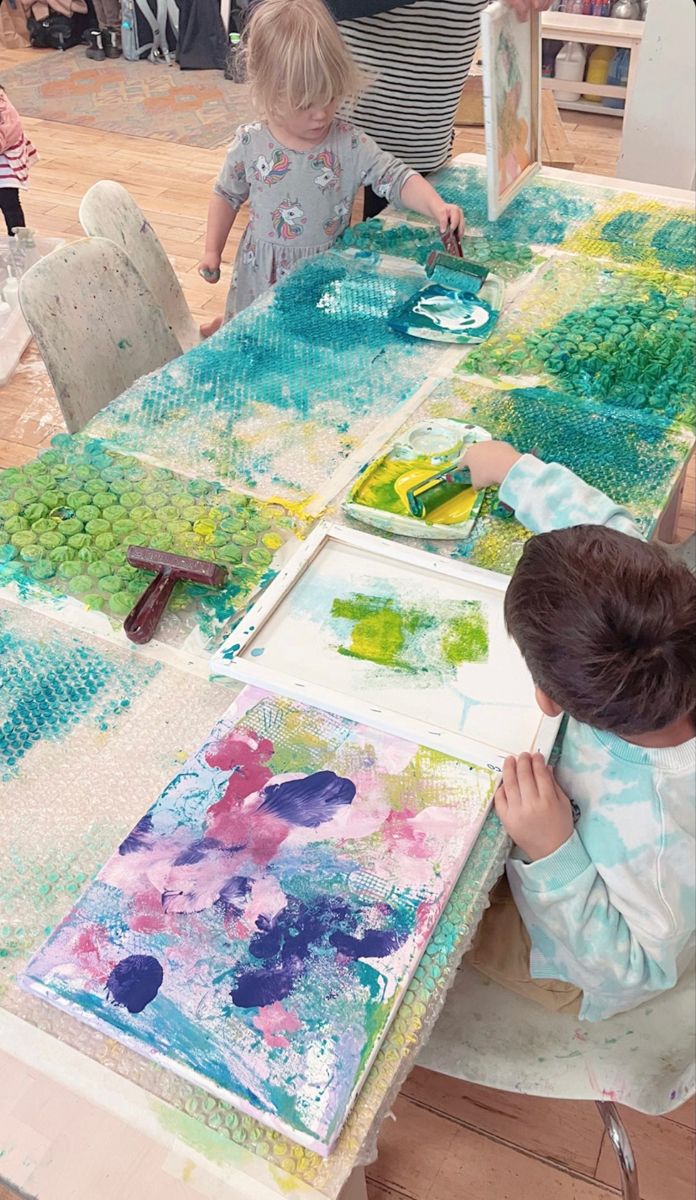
column 16, row 156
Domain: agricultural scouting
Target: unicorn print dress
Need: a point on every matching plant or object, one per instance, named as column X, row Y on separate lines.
column 300, row 201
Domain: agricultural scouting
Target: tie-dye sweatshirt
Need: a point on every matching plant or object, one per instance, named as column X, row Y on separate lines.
column 613, row 909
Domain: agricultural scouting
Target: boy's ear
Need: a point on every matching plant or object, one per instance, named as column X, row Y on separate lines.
column 546, row 704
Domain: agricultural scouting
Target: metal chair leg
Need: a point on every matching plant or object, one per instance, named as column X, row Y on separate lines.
column 622, row 1147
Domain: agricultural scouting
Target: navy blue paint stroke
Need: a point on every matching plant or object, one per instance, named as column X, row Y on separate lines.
column 308, row 801
column 135, row 981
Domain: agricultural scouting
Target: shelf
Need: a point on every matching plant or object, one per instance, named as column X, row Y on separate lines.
column 588, row 107
column 597, row 31
column 554, row 84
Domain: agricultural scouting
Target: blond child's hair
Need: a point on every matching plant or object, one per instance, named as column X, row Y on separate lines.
column 295, row 58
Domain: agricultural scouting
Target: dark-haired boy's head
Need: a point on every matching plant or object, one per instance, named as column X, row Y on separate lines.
column 607, row 627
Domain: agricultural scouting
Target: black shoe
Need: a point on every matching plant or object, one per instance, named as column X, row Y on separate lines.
column 111, row 47
column 95, row 49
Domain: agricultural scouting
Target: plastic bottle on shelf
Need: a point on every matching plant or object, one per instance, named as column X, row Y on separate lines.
column 549, row 50
column 618, row 75
column 570, row 65
column 598, row 69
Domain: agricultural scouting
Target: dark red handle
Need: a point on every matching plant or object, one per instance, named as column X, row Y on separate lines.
column 145, row 616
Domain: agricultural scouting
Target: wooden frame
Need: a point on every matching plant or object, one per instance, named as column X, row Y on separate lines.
column 241, row 658
column 499, row 24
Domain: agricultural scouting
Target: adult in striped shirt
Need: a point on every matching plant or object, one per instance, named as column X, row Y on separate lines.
column 420, row 53
column 16, row 155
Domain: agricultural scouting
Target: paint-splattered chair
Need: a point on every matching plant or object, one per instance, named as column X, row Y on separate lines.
column 109, row 211
column 96, row 324
column 643, row 1059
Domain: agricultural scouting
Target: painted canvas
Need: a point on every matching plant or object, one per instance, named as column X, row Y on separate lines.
column 257, row 928
column 511, row 92
column 391, row 635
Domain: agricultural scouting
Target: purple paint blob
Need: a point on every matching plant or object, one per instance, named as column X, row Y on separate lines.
column 255, row 989
column 138, row 837
column 135, row 981
column 376, row 943
column 309, row 801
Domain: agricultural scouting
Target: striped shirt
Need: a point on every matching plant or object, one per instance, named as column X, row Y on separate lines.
column 16, row 151
column 422, row 53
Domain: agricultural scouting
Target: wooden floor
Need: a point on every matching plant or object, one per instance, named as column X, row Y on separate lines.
column 450, row 1141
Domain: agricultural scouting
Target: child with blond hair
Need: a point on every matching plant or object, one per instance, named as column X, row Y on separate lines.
column 300, row 166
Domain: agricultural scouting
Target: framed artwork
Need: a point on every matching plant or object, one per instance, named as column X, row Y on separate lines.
column 406, row 641
column 257, row 929
column 512, row 102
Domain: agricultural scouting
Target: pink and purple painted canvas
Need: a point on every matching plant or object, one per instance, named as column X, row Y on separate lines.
column 259, row 926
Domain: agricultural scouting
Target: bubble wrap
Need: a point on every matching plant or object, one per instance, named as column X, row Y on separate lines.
column 609, row 334
column 281, row 395
column 635, row 229
column 68, row 517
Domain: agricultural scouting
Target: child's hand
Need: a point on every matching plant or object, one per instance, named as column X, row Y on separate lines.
column 449, row 217
column 534, row 810
column 489, row 462
column 209, row 267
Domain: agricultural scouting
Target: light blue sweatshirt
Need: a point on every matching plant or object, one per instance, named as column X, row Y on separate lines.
column 613, row 910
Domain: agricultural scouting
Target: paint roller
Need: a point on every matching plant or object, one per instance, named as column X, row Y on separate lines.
column 455, row 273
column 145, row 616
column 430, row 494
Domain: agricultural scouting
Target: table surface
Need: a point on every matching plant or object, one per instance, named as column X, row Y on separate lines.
column 167, row 711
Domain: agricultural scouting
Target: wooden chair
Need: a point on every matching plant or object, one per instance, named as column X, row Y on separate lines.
column 97, row 326
column 643, row 1058
column 109, row 211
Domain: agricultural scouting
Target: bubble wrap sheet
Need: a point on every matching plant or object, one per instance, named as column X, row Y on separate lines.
column 284, row 393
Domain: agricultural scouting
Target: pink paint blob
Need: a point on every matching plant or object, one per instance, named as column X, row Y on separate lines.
column 273, row 1021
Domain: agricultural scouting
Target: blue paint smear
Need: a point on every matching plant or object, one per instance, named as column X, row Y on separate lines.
column 320, row 350
column 50, row 684
column 543, row 213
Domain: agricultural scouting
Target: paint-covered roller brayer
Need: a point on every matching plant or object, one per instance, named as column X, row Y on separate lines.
column 145, row 616
column 430, row 495
column 455, row 273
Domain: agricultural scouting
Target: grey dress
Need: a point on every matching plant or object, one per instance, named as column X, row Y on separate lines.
column 300, row 201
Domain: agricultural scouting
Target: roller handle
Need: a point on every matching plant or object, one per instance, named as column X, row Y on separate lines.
column 451, row 242
column 146, row 614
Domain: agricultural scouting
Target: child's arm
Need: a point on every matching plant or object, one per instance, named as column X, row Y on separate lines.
column 391, row 178
column 230, row 191
column 221, row 218
column 421, row 196
column 622, row 941
column 543, row 495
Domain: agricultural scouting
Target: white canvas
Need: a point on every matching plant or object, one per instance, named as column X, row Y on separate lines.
column 396, row 637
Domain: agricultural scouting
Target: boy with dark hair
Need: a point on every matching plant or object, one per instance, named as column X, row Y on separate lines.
column 602, row 907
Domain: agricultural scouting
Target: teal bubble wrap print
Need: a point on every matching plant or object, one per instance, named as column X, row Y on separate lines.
column 282, row 394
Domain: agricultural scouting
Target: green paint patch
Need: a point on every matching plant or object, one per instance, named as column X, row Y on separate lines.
column 67, row 520
column 215, row 1145
column 436, row 641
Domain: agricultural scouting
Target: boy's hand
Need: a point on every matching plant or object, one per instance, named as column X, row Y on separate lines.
column 209, row 267
column 534, row 810
column 489, row 462
column 449, row 217
column 523, row 8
